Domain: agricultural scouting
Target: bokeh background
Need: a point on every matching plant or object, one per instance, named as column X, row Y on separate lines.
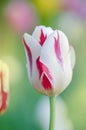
column 19, row 16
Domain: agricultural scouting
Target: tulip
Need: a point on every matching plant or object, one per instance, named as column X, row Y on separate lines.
column 50, row 60
column 50, row 63
column 4, row 87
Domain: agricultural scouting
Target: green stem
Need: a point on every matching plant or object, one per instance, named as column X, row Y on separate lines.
column 52, row 113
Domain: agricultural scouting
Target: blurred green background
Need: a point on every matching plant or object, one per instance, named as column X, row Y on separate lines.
column 17, row 17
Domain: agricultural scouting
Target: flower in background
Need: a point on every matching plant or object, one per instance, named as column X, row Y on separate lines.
column 4, row 87
column 78, row 6
column 21, row 16
column 50, row 60
column 62, row 121
column 15, row 68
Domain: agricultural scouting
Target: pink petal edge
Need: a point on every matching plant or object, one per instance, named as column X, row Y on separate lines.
column 29, row 54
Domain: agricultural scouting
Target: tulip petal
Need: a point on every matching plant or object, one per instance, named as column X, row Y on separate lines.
column 29, row 55
column 44, row 74
column 4, row 98
column 46, row 82
column 53, row 54
column 58, row 49
column 64, row 44
column 32, row 51
column 41, row 33
column 4, row 86
column 72, row 56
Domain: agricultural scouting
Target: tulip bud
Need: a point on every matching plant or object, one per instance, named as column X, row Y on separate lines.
column 4, row 86
column 50, row 60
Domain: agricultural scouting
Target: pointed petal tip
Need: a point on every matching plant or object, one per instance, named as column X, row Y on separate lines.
column 46, row 83
column 25, row 39
column 25, row 35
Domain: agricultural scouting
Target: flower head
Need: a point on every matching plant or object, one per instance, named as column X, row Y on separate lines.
column 4, row 86
column 49, row 60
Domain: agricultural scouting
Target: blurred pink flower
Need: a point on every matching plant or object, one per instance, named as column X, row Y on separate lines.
column 79, row 6
column 21, row 16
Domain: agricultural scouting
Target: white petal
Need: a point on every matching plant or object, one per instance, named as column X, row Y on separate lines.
column 35, row 51
column 72, row 56
column 48, row 57
column 32, row 44
column 66, row 58
column 32, row 49
column 69, row 63
column 37, row 32
column 63, row 43
column 67, row 70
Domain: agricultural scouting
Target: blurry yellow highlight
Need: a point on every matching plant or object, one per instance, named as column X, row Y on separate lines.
column 46, row 7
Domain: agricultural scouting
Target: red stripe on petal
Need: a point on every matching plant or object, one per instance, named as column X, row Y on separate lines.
column 4, row 96
column 42, row 37
column 57, row 48
column 29, row 55
column 42, row 69
column 4, row 99
column 46, row 83
column 39, row 66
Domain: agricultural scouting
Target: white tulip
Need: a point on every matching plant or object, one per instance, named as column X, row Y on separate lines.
column 49, row 60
